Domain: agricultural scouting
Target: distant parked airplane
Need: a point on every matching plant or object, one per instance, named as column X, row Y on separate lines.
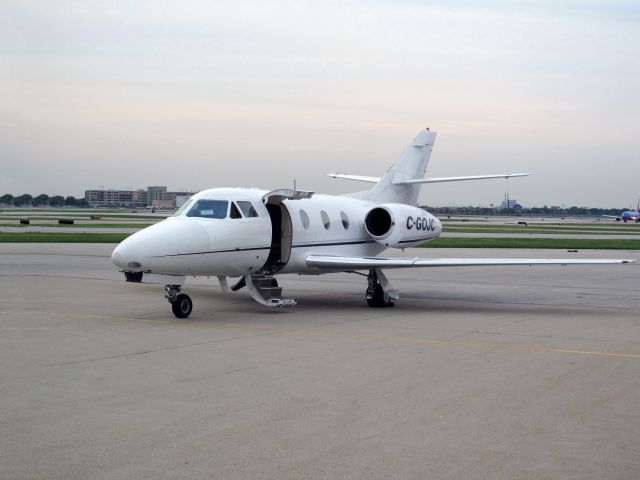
column 627, row 215
column 255, row 234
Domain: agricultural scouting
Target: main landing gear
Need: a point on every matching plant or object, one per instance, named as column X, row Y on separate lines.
column 181, row 304
column 379, row 293
column 265, row 290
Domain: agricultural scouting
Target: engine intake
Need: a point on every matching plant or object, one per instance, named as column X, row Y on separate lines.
column 378, row 222
column 401, row 226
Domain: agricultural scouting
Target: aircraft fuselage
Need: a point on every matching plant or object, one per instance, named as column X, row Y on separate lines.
column 256, row 235
column 276, row 236
column 630, row 216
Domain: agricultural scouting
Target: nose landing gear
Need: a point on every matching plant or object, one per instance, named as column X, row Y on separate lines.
column 181, row 304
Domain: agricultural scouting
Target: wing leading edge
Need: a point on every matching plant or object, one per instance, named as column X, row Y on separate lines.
column 365, row 263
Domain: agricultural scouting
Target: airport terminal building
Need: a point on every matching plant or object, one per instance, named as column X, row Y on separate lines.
column 153, row 196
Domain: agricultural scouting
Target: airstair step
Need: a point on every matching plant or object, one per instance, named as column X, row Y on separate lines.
column 270, row 292
column 265, row 282
column 265, row 290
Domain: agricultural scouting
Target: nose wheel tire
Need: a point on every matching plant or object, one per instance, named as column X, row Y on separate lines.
column 182, row 306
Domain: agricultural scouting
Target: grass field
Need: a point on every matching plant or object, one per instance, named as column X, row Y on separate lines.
column 82, row 217
column 38, row 237
column 80, row 225
column 556, row 243
column 541, row 231
column 594, row 224
column 570, row 226
column 544, row 228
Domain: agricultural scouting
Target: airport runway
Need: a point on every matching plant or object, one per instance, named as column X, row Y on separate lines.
column 483, row 373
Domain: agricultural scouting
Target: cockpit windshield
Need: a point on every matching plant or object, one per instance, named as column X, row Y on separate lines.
column 209, row 209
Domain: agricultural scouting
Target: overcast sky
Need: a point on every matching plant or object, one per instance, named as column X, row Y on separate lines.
column 199, row 94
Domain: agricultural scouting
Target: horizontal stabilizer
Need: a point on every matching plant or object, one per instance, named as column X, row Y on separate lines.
column 414, row 181
column 367, row 263
column 360, row 178
column 457, row 179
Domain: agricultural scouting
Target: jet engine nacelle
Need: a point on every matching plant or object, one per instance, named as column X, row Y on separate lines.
column 401, row 226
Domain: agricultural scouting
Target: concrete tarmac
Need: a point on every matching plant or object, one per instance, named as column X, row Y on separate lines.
column 483, row 373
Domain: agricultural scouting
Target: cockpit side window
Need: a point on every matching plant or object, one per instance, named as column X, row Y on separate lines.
column 234, row 212
column 209, row 209
column 247, row 209
column 184, row 206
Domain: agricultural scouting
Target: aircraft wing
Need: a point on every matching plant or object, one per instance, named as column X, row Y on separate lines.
column 367, row 263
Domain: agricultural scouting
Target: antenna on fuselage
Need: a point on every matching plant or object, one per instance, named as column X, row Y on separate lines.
column 294, row 184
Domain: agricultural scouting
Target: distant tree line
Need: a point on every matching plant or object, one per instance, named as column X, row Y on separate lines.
column 546, row 211
column 42, row 200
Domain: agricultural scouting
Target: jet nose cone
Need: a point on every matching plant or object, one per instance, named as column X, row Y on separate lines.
column 122, row 257
column 156, row 247
column 117, row 258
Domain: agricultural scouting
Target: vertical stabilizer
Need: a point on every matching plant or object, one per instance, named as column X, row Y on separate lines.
column 412, row 164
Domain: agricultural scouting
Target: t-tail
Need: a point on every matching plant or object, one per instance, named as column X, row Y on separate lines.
column 412, row 164
column 402, row 182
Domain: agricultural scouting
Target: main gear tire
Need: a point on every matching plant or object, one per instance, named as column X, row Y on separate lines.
column 183, row 306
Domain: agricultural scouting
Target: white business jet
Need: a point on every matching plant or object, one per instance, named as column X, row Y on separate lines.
column 255, row 234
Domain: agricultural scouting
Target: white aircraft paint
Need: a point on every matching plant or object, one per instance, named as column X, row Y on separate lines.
column 255, row 234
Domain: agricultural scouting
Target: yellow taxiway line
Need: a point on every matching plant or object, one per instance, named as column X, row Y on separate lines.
column 328, row 334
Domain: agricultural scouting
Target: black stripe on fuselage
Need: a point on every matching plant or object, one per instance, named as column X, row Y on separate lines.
column 231, row 250
column 333, row 244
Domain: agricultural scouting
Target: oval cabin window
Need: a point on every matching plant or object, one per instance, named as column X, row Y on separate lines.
column 325, row 219
column 345, row 220
column 304, row 218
